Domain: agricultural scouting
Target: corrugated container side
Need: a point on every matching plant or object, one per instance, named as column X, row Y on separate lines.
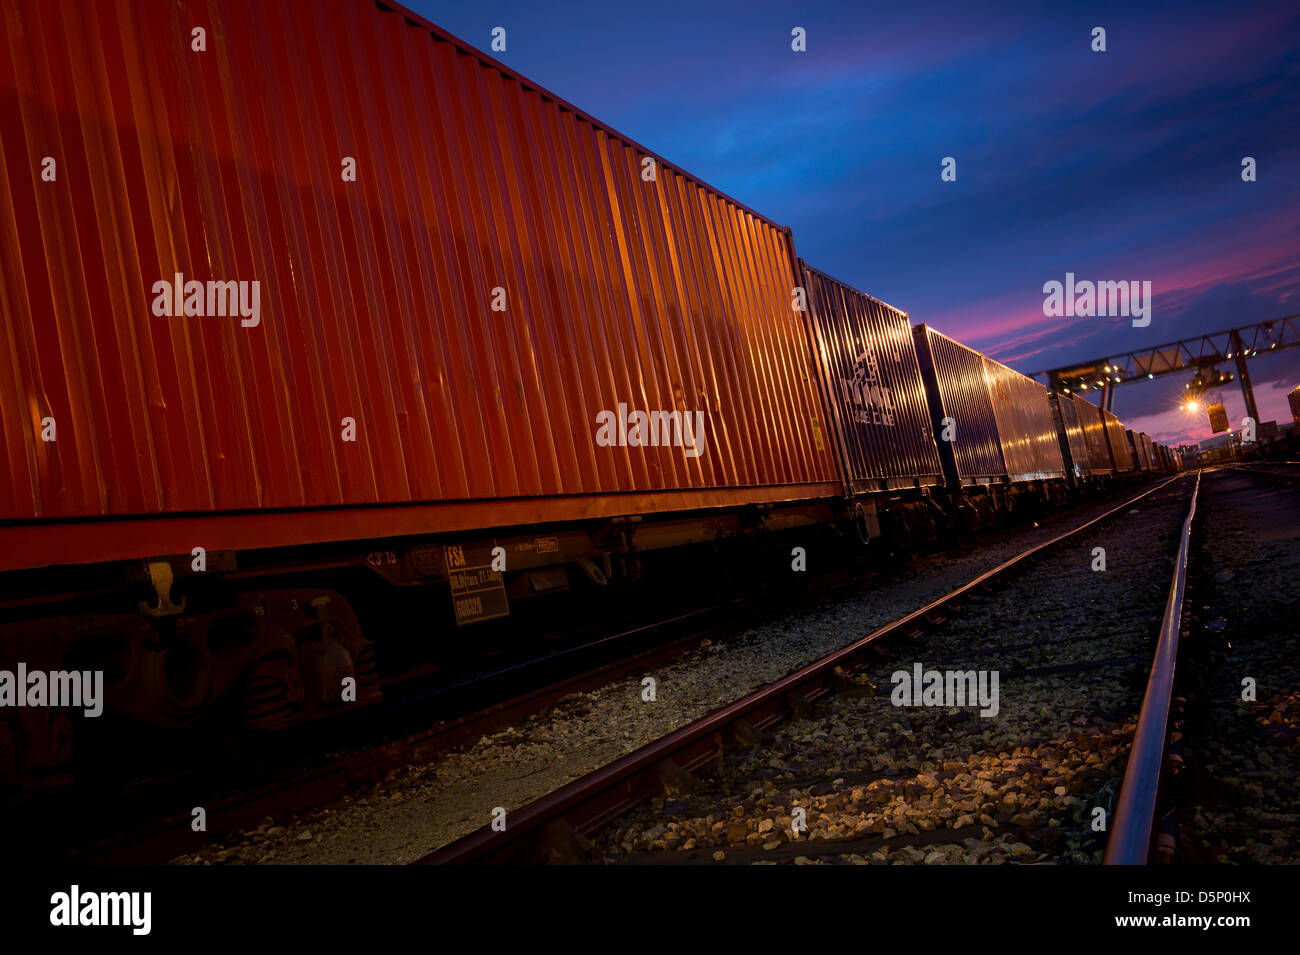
column 376, row 295
column 956, row 389
column 1070, row 435
column 1121, row 452
column 1135, row 448
column 1094, row 435
column 1029, row 444
column 876, row 395
column 1148, row 450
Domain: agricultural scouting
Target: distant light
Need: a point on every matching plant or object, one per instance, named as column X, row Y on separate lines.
column 1149, row 375
column 1229, row 354
column 1083, row 387
column 1066, row 390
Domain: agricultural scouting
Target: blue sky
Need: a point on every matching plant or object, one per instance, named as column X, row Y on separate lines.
column 1123, row 165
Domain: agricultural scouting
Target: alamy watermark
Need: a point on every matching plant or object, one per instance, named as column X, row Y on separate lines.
column 1098, row 299
column 948, row 688
column 76, row 907
column 56, row 688
column 651, row 429
column 193, row 298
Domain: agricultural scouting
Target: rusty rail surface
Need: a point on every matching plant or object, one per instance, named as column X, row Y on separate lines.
column 1135, row 816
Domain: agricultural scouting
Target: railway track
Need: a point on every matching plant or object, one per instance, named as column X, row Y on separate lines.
column 559, row 826
column 448, row 716
column 1133, row 836
column 152, row 828
column 1281, row 472
column 149, row 828
column 334, row 802
column 1236, row 798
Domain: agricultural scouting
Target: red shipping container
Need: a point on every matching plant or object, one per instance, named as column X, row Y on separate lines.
column 473, row 188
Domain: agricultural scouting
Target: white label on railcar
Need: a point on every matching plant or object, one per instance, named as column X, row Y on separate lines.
column 478, row 592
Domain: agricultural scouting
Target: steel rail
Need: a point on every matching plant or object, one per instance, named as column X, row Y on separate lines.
column 1135, row 816
column 541, row 831
column 1260, row 469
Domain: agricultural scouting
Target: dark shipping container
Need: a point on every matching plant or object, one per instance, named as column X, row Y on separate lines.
column 874, row 387
column 1135, row 448
column 1121, row 452
column 960, row 410
column 1074, row 448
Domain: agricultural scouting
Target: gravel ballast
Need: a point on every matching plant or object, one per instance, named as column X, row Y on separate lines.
column 879, row 783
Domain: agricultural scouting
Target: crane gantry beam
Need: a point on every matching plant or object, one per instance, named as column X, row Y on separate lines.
column 1193, row 353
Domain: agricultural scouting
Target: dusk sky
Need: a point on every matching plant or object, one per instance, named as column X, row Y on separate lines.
column 1122, row 165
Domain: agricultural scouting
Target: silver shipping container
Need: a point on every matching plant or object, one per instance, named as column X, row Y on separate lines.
column 1025, row 426
column 1120, row 451
column 1100, row 461
column 1069, row 431
column 873, row 385
column 960, row 409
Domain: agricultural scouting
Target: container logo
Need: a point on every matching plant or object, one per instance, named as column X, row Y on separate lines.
column 868, row 401
column 651, row 429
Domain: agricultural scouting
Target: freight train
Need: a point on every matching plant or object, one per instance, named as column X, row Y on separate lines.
column 304, row 312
